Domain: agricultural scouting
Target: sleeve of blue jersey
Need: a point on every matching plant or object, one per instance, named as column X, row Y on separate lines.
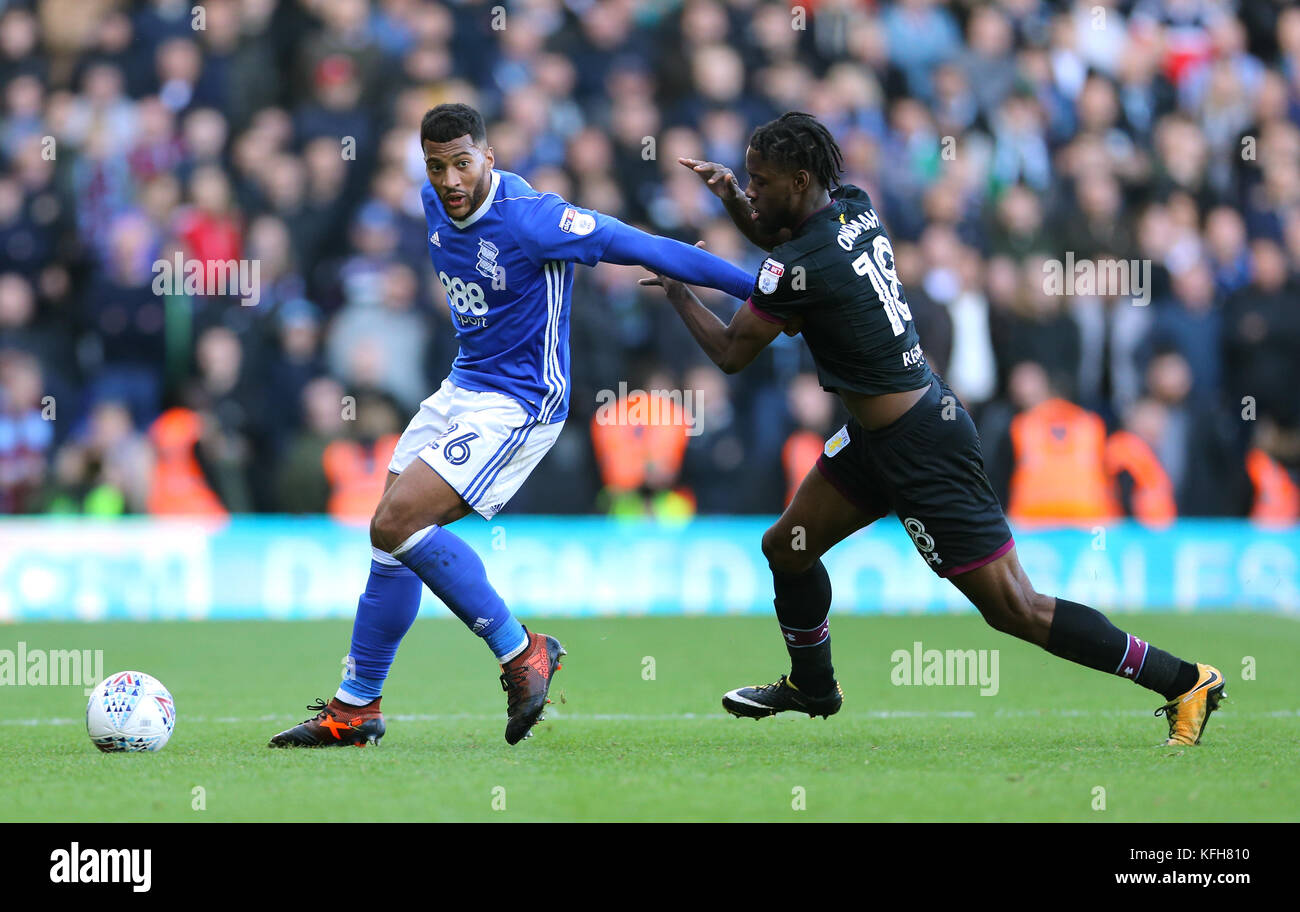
column 631, row 247
column 548, row 228
column 556, row 230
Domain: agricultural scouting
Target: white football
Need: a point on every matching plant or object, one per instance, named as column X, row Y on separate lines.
column 130, row 711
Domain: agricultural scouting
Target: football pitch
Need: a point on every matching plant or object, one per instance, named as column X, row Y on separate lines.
column 637, row 733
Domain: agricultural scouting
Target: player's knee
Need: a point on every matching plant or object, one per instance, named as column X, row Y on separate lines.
column 379, row 528
column 391, row 525
column 783, row 552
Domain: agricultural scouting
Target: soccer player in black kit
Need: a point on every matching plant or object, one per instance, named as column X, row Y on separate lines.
column 909, row 448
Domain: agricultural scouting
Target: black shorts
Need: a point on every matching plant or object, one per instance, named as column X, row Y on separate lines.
column 927, row 468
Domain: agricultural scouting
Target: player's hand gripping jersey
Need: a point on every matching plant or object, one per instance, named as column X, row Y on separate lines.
column 836, row 280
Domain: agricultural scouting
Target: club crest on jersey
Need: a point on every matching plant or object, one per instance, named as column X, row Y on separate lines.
column 487, row 258
column 770, row 275
column 575, row 222
column 838, row 442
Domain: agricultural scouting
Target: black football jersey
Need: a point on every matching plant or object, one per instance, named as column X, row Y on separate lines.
column 837, row 275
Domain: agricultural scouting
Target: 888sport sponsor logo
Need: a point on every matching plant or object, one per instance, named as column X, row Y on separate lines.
column 466, row 300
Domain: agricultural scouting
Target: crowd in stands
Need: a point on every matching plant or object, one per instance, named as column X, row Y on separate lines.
column 995, row 139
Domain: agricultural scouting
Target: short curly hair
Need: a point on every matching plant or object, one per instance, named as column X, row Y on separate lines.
column 800, row 141
column 449, row 121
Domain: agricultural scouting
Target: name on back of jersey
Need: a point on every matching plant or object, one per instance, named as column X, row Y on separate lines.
column 851, row 230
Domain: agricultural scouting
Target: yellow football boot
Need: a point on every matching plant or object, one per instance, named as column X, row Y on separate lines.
column 1188, row 714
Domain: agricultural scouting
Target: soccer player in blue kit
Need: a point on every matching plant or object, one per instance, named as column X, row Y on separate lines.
column 504, row 253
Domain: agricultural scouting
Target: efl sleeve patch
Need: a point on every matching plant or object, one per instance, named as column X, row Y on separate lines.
column 575, row 222
column 770, row 275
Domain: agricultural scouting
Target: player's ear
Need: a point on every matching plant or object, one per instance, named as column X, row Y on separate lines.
column 490, row 157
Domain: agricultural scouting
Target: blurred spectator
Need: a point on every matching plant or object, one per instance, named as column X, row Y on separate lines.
column 107, row 472
column 640, row 439
column 1031, row 324
column 301, row 485
column 1145, row 490
column 714, row 464
column 1190, row 323
column 1198, row 445
column 1059, row 471
column 380, row 336
column 357, row 469
column 1261, row 344
column 26, row 432
column 813, row 411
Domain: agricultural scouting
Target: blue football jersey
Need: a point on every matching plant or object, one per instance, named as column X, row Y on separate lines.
column 508, row 272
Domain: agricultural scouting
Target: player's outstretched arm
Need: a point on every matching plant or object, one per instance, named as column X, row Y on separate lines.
column 630, row 246
column 722, row 181
column 548, row 228
column 732, row 345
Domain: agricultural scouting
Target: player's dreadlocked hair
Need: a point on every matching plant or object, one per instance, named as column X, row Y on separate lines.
column 449, row 121
column 799, row 140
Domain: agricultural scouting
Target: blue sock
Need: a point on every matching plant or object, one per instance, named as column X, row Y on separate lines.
column 385, row 612
column 455, row 574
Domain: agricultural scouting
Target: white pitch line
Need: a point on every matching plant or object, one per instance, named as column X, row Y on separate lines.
column 553, row 715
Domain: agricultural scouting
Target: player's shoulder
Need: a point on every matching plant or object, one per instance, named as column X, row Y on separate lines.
column 851, row 193
column 512, row 189
column 853, row 206
column 532, row 208
column 801, row 250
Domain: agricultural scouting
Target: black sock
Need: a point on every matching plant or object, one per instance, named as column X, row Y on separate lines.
column 803, row 604
column 1084, row 635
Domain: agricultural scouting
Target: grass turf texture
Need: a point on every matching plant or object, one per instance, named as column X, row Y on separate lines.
column 621, row 747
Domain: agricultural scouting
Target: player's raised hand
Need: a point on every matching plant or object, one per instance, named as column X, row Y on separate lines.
column 718, row 178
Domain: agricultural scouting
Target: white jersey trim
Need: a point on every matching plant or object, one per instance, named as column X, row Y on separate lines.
column 482, row 209
column 551, row 370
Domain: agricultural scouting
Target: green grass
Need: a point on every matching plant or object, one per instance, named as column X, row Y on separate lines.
column 620, row 747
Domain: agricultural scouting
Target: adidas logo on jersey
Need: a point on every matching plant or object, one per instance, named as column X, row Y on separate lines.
column 433, row 239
